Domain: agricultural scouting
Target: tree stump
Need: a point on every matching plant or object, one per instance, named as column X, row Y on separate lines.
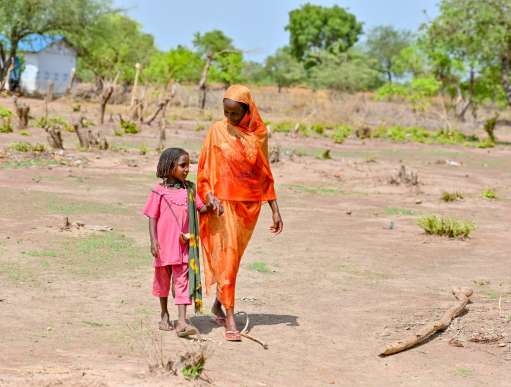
column 22, row 111
column 54, row 137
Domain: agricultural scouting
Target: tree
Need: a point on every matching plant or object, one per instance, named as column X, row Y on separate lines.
column 346, row 72
column 255, row 73
column 112, row 45
column 218, row 53
column 385, row 44
column 284, row 69
column 313, row 28
column 178, row 64
column 21, row 18
column 469, row 44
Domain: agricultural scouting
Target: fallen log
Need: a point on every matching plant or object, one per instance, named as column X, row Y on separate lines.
column 461, row 294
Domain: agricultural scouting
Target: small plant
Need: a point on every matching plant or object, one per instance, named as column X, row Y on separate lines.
column 325, row 155
column 76, row 107
column 25, row 133
column 489, row 193
column 118, row 133
column 193, row 364
column 199, row 127
column 399, row 211
column 451, row 196
column 40, row 148
column 449, row 227
column 5, row 120
column 142, row 149
column 341, row 133
column 260, row 267
column 44, row 122
column 283, row 127
column 486, row 143
column 129, row 127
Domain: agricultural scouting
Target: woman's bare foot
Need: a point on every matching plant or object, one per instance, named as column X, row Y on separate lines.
column 218, row 312
column 165, row 324
column 230, row 323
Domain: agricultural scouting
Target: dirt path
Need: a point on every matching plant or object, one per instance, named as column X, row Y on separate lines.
column 351, row 272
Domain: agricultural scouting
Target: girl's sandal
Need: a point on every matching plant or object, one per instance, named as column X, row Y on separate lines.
column 188, row 330
column 165, row 326
column 232, row 335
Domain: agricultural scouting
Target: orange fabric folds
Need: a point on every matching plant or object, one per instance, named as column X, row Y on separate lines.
column 234, row 166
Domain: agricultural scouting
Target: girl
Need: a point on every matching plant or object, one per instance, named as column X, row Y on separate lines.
column 173, row 229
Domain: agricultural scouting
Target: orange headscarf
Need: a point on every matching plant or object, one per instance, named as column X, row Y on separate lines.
column 234, row 159
column 233, row 165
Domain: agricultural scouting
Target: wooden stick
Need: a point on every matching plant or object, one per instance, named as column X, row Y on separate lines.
column 70, row 82
column 461, row 294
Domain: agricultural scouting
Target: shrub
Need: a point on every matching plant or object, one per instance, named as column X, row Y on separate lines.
column 452, row 196
column 25, row 133
column 4, row 112
column 486, row 143
column 489, row 193
column 21, row 146
column 5, row 120
column 129, row 127
column 341, row 133
column 283, row 127
column 443, row 226
column 43, row 122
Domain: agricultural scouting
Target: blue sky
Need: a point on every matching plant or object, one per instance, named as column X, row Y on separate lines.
column 257, row 26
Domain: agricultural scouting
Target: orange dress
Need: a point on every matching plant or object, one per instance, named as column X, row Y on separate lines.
column 233, row 165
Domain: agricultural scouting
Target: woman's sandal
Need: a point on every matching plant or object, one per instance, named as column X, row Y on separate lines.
column 232, row 335
column 188, row 330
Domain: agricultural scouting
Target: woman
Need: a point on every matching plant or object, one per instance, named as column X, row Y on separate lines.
column 234, row 178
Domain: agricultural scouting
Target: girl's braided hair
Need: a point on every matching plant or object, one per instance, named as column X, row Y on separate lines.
column 168, row 160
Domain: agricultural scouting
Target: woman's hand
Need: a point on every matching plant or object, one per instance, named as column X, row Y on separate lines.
column 155, row 248
column 278, row 225
column 214, row 204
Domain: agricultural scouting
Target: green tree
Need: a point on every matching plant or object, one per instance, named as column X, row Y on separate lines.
column 385, row 44
column 469, row 45
column 112, row 45
column 347, row 72
column 179, row 64
column 313, row 28
column 284, row 69
column 21, row 18
column 255, row 73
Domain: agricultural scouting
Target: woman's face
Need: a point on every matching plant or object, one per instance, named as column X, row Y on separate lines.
column 233, row 111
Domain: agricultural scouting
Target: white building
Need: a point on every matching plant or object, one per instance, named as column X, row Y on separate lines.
column 47, row 59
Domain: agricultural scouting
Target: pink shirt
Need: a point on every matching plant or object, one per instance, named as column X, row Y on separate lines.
column 168, row 227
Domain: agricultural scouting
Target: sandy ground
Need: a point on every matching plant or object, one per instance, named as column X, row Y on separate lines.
column 351, row 272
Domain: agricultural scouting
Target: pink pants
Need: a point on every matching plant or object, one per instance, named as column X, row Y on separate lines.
column 161, row 283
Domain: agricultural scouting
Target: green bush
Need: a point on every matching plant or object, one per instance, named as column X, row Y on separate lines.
column 486, row 143
column 24, row 146
column 129, row 127
column 24, row 133
column 443, row 226
column 283, row 127
column 341, row 133
column 43, row 122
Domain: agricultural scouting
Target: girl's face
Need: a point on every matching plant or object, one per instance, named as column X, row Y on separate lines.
column 182, row 167
column 233, row 111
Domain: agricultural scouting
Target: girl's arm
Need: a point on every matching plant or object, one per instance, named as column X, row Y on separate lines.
column 278, row 225
column 155, row 246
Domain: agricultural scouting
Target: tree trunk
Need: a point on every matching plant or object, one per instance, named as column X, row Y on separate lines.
column 135, row 84
column 506, row 83
column 105, row 96
column 203, row 83
column 55, row 137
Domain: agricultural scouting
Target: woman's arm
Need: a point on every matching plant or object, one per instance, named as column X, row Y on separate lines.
column 278, row 225
column 155, row 246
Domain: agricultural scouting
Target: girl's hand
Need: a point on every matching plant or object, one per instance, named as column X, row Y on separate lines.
column 214, row 204
column 155, row 248
column 278, row 225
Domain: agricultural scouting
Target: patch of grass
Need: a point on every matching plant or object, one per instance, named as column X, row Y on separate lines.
column 325, row 155
column 315, row 190
column 199, row 127
column 28, row 163
column 424, row 136
column 443, row 226
column 24, row 147
column 489, row 193
column 143, row 149
column 43, row 122
column 25, row 133
column 118, row 133
column 491, row 294
column 260, row 267
column 399, row 211
column 40, row 253
column 63, row 206
column 283, row 127
column 193, row 364
column 486, row 143
column 341, row 133
column 92, row 323
column 451, row 196
column 465, row 372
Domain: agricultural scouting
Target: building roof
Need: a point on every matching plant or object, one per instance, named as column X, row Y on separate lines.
column 36, row 43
